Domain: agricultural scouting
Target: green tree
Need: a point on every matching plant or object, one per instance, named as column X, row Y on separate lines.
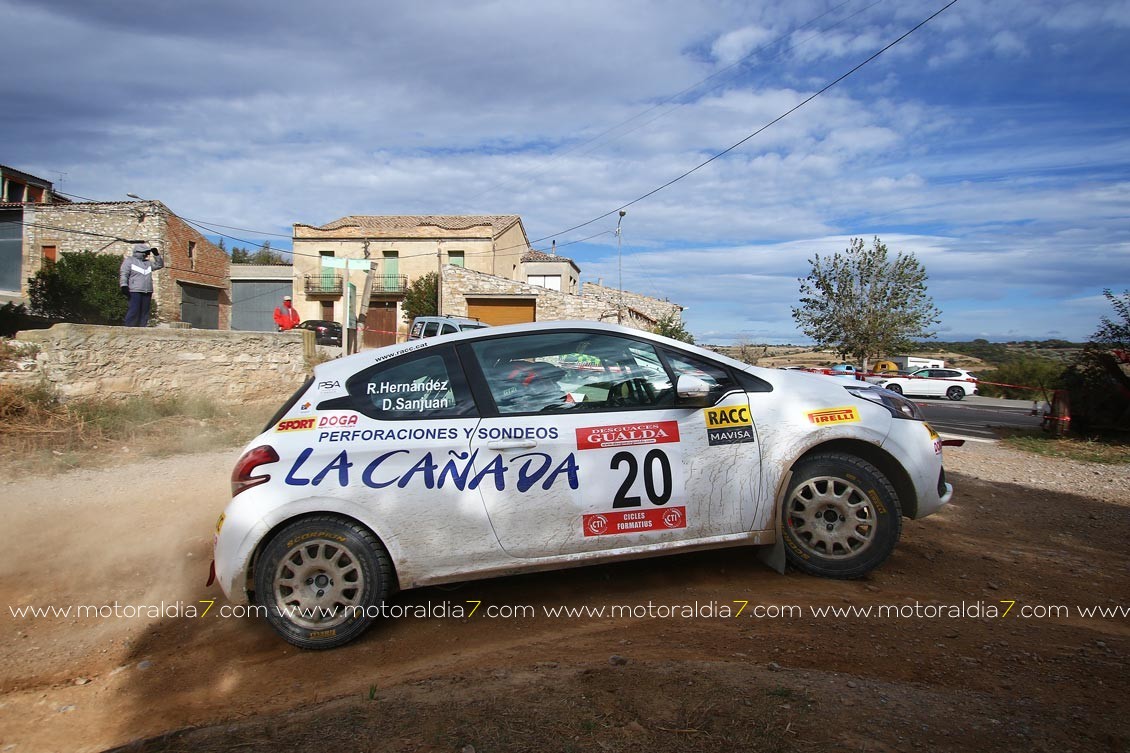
column 1028, row 371
column 262, row 255
column 1097, row 381
column 863, row 304
column 671, row 325
column 81, row 288
column 422, row 297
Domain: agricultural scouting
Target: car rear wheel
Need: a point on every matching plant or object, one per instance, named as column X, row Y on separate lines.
column 955, row 393
column 840, row 518
column 894, row 388
column 322, row 580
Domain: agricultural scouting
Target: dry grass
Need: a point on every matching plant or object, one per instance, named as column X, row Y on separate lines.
column 1110, row 450
column 39, row 432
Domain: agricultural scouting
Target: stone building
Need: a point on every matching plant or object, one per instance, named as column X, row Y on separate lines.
column 194, row 286
column 462, row 288
column 371, row 260
column 20, row 195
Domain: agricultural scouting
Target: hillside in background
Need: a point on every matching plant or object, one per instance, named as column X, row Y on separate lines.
column 974, row 355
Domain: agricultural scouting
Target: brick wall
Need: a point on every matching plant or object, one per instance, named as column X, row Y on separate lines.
column 84, row 360
column 208, row 266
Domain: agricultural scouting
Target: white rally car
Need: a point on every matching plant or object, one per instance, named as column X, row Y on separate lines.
column 542, row 446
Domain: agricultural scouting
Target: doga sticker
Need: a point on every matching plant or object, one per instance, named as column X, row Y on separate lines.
column 728, row 424
column 846, row 415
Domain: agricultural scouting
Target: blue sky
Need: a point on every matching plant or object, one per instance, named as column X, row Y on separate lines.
column 993, row 143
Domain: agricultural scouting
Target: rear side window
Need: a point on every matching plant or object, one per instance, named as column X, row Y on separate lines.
column 428, row 385
column 431, row 329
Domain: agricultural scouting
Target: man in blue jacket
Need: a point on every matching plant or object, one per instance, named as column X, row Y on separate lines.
column 136, row 282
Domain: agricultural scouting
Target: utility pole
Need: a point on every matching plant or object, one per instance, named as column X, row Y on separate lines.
column 439, row 278
column 620, row 271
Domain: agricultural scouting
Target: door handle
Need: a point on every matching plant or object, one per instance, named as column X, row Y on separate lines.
column 513, row 444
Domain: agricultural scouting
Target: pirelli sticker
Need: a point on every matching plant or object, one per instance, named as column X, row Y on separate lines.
column 728, row 424
column 828, row 416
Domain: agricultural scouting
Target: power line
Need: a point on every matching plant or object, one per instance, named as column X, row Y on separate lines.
column 756, row 51
column 763, row 128
column 210, row 227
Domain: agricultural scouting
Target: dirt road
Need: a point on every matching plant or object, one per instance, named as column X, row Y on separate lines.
column 1023, row 534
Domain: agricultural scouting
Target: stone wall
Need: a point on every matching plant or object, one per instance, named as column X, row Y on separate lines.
column 83, row 360
column 640, row 311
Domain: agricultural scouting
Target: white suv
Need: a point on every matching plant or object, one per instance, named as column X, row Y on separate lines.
column 430, row 326
column 952, row 383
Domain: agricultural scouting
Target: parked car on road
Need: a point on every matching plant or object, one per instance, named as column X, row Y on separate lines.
column 326, row 332
column 430, row 326
column 952, row 383
column 544, row 446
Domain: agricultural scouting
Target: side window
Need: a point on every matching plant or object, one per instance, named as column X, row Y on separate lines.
column 448, row 329
column 568, row 372
column 429, row 385
column 431, row 329
column 717, row 377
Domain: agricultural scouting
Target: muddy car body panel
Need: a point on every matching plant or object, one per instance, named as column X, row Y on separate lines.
column 541, row 446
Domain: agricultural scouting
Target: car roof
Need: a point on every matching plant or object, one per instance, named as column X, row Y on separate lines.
column 349, row 364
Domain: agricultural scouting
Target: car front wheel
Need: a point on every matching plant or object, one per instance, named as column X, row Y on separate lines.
column 955, row 393
column 322, row 580
column 840, row 518
column 894, row 388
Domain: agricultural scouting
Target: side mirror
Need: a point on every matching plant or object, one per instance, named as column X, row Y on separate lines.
column 692, row 391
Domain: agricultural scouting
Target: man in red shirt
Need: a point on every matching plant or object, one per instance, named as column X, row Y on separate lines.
column 285, row 315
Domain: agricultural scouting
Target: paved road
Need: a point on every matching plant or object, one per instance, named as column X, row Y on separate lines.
column 975, row 417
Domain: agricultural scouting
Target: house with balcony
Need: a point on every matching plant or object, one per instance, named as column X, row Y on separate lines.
column 367, row 262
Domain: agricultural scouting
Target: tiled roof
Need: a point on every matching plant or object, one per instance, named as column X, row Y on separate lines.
column 381, row 224
column 535, row 255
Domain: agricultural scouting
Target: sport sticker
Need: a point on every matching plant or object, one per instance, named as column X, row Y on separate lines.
column 296, row 424
column 846, row 415
column 656, row 519
column 728, row 424
column 623, row 435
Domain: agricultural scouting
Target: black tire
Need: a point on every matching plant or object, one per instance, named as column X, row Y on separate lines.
column 840, row 518
column 335, row 569
column 894, row 388
column 955, row 393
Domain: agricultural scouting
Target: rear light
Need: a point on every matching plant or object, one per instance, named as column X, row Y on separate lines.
column 241, row 478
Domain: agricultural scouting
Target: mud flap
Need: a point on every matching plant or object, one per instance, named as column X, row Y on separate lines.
column 774, row 555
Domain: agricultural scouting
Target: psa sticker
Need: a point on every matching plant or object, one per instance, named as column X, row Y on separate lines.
column 845, row 415
column 728, row 424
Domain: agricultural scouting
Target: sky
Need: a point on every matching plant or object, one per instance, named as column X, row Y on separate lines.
column 993, row 142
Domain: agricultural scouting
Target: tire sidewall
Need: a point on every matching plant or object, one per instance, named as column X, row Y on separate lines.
column 888, row 519
column 955, row 393
column 362, row 547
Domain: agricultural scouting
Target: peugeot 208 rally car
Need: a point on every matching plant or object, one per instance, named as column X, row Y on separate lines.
column 542, row 446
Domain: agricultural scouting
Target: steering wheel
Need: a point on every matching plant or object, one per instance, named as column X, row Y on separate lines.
column 630, row 392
